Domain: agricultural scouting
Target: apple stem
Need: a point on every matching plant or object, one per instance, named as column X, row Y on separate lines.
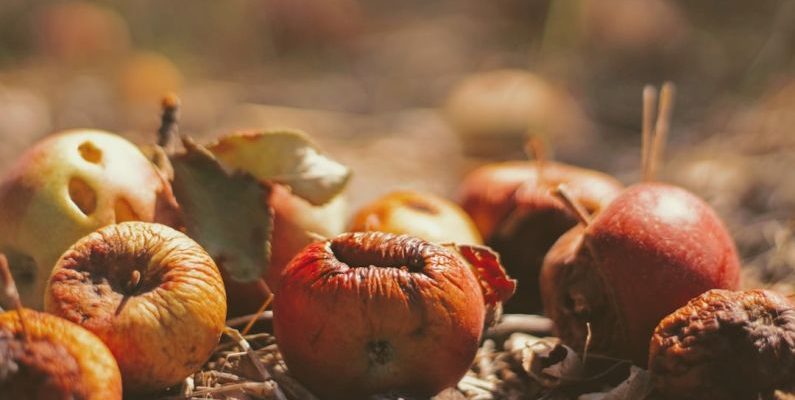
column 587, row 345
column 135, row 281
column 169, row 119
column 562, row 193
column 535, row 149
column 263, row 287
column 10, row 291
column 649, row 104
column 661, row 128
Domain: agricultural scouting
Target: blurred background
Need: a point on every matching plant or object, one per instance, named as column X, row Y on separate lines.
column 414, row 94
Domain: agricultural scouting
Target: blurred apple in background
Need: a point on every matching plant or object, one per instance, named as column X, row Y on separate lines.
column 66, row 186
column 495, row 111
column 419, row 214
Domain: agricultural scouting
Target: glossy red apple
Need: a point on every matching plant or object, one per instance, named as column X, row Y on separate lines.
column 371, row 312
column 649, row 252
column 513, row 206
column 424, row 215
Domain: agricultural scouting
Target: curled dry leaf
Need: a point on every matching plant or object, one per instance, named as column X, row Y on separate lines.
column 497, row 286
column 546, row 360
column 228, row 214
column 287, row 157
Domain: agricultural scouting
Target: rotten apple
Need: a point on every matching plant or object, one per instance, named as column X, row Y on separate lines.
column 51, row 358
column 424, row 215
column 371, row 312
column 514, row 209
column 152, row 294
column 646, row 254
column 66, row 186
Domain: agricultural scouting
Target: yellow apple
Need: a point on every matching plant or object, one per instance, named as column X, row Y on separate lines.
column 66, row 186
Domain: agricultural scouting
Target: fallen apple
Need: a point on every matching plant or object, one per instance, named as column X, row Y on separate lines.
column 66, row 186
column 514, row 209
column 424, row 215
column 651, row 250
column 51, row 358
column 152, row 294
column 371, row 312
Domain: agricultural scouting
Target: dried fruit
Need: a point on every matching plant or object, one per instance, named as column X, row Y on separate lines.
column 152, row 294
column 726, row 345
column 371, row 312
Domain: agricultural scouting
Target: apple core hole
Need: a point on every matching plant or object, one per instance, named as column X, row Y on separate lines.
column 123, row 211
column 365, row 249
column 82, row 195
column 90, row 152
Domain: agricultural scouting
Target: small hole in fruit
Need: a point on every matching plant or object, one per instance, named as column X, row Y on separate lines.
column 90, row 152
column 84, row 197
column 124, row 211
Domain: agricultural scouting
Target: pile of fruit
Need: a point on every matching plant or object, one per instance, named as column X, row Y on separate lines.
column 147, row 272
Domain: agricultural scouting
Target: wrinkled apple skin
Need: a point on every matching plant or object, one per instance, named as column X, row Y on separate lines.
column 293, row 218
column 520, row 218
column 161, row 330
column 41, row 198
column 423, row 215
column 62, row 361
column 372, row 312
column 648, row 253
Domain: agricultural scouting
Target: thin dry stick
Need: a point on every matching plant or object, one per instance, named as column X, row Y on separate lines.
column 168, row 120
column 587, row 346
column 264, row 287
column 649, row 104
column 11, row 293
column 535, row 148
column 664, row 112
column 572, row 204
column 243, row 343
column 237, row 321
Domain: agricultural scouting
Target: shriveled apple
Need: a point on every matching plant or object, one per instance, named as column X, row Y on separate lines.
column 152, row 294
column 424, row 215
column 66, row 186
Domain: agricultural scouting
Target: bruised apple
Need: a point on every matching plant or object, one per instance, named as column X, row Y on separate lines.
column 372, row 312
column 514, row 208
column 52, row 358
column 66, row 186
column 294, row 222
column 152, row 294
column 424, row 215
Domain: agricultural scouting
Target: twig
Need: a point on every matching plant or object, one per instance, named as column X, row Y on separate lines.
column 169, row 119
column 587, row 345
column 237, row 321
column 649, row 104
column 243, row 343
column 572, row 204
column 662, row 127
column 12, row 294
column 264, row 287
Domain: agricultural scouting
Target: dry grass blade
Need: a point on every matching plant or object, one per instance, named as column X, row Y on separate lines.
column 263, row 287
column 649, row 104
column 661, row 128
column 10, row 292
column 572, row 204
column 243, row 343
column 242, row 320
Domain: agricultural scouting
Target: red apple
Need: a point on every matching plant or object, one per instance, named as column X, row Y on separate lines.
column 371, row 312
column 424, row 215
column 513, row 207
column 52, row 358
column 651, row 250
column 152, row 294
column 293, row 224
column 65, row 187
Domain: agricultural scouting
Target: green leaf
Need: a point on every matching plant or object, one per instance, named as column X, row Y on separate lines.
column 287, row 157
column 228, row 214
